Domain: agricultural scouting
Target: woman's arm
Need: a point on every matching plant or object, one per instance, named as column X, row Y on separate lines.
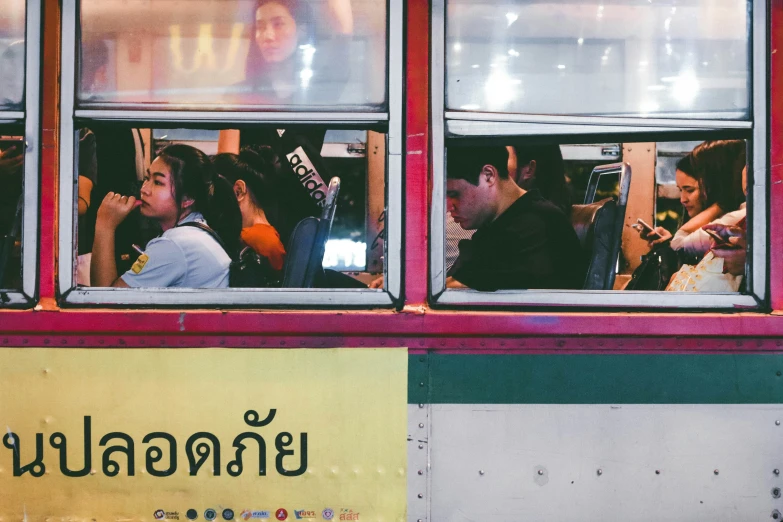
column 341, row 16
column 704, row 217
column 690, row 237
column 103, row 269
column 85, row 190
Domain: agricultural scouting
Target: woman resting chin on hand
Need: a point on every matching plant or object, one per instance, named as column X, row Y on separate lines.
column 180, row 187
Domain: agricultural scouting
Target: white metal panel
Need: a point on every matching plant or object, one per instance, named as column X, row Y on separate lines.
column 418, row 462
column 599, row 462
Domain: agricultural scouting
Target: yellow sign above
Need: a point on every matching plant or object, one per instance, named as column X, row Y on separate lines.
column 127, row 435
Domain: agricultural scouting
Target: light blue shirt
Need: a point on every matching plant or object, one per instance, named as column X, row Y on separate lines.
column 183, row 257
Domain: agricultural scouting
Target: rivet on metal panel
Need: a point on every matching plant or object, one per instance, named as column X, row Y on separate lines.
column 481, row 472
column 420, row 495
column 421, row 472
column 776, row 515
column 421, row 425
column 421, row 446
column 779, row 373
column 93, row 472
column 716, row 471
column 421, row 359
column 419, row 520
column 421, row 405
column 540, row 471
column 421, row 384
column 777, row 423
column 599, row 472
column 657, row 472
column 776, row 471
column 775, row 492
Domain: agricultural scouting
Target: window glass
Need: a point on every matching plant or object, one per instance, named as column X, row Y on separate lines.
column 12, row 54
column 632, row 58
column 255, row 199
column 234, row 53
column 11, row 207
column 551, row 216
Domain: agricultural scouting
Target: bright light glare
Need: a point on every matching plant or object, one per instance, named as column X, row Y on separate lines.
column 305, row 76
column 512, row 52
column 580, row 41
column 649, row 106
column 686, row 88
column 511, row 18
column 470, row 107
column 457, row 47
column 345, row 254
column 561, row 66
column 474, row 66
column 499, row 89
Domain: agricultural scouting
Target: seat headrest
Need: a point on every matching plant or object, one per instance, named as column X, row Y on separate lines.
column 583, row 218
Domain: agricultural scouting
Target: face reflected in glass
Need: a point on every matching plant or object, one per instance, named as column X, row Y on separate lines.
column 275, row 32
column 12, row 75
column 157, row 195
column 690, row 193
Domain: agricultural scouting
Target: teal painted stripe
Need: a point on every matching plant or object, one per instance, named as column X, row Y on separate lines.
column 596, row 379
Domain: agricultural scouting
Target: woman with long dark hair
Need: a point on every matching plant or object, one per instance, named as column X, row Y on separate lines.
column 180, row 189
column 711, row 184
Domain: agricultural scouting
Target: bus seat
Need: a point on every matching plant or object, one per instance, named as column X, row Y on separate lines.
column 623, row 173
column 304, row 260
column 595, row 227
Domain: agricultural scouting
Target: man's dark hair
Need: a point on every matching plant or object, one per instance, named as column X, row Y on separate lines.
column 466, row 162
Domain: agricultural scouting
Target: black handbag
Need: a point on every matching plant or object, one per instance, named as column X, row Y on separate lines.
column 656, row 269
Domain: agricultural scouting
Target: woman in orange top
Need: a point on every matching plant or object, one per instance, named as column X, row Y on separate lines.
column 253, row 195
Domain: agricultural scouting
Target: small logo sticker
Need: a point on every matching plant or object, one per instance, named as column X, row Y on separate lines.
column 302, row 514
column 159, row 514
column 140, row 262
column 192, row 514
column 327, row 514
column 281, row 514
column 210, row 515
column 228, row 514
column 349, row 514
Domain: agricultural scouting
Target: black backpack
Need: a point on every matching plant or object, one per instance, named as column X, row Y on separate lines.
column 248, row 269
column 656, row 269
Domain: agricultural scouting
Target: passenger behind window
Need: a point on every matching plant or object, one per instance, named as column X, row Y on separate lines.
column 180, row 189
column 288, row 64
column 712, row 183
column 253, row 194
column 521, row 241
column 541, row 167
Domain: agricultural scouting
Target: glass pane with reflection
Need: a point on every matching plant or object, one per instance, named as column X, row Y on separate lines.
column 233, row 54
column 630, row 58
column 12, row 34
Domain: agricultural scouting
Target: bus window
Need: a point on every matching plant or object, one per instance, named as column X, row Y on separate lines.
column 277, row 181
column 689, row 60
column 234, row 54
column 11, row 209
column 636, row 216
column 292, row 108
column 12, row 55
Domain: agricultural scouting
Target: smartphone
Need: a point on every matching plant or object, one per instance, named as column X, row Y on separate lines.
column 12, row 142
column 642, row 225
column 720, row 241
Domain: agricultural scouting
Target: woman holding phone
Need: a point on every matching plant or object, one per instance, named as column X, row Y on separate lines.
column 712, row 185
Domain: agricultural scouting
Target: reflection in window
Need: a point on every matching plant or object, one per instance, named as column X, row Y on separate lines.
column 11, row 208
column 631, row 58
column 510, row 204
column 234, row 53
column 260, row 203
column 12, row 54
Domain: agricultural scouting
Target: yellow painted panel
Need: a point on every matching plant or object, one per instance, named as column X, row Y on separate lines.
column 350, row 403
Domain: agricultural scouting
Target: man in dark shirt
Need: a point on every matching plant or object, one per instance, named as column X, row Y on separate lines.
column 521, row 241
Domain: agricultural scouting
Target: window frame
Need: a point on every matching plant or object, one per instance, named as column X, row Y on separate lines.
column 390, row 296
column 458, row 124
column 29, row 118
